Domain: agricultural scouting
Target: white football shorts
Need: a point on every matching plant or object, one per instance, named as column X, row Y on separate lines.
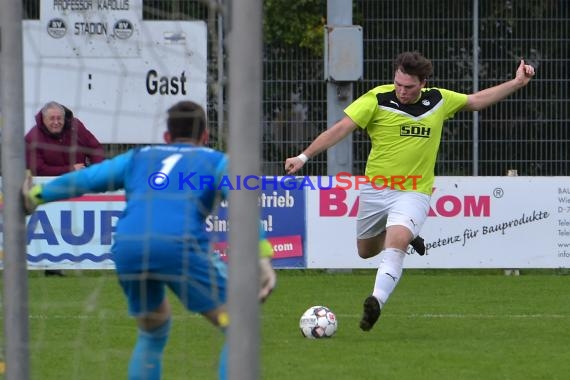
column 379, row 209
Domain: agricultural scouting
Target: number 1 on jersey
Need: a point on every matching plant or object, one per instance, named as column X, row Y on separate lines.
column 167, row 166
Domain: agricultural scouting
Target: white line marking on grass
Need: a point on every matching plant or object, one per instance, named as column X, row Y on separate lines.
column 340, row 316
column 101, row 316
column 491, row 316
column 466, row 316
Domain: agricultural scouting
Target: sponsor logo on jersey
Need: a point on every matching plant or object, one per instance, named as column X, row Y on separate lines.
column 415, row 131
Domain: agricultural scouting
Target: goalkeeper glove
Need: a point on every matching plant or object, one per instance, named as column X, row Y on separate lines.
column 32, row 195
column 268, row 278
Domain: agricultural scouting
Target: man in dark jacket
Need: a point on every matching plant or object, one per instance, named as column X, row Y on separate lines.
column 59, row 143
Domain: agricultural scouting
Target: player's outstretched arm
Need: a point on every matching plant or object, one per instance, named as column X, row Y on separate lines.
column 483, row 99
column 325, row 140
column 104, row 176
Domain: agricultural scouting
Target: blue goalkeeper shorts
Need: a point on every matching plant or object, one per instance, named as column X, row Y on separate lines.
column 198, row 279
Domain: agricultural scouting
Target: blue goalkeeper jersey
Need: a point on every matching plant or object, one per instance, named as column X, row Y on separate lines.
column 169, row 189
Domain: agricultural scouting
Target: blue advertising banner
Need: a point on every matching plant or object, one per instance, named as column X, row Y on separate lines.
column 77, row 234
column 282, row 219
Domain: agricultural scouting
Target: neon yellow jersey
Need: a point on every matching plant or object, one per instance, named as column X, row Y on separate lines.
column 405, row 137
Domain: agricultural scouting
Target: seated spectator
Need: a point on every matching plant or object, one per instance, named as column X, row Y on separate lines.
column 59, row 143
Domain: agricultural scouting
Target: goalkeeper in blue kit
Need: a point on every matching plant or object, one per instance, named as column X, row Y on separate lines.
column 160, row 239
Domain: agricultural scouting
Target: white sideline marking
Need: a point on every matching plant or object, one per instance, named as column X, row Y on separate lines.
column 466, row 316
column 102, row 316
column 491, row 316
column 410, row 316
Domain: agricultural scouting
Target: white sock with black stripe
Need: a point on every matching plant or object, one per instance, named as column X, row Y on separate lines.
column 388, row 274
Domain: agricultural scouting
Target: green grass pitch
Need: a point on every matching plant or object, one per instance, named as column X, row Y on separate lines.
column 437, row 325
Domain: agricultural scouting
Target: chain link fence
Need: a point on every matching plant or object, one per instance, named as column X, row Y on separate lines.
column 527, row 132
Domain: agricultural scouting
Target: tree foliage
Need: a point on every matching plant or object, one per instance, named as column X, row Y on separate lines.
column 295, row 23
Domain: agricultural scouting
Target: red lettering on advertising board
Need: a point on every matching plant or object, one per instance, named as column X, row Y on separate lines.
column 334, row 203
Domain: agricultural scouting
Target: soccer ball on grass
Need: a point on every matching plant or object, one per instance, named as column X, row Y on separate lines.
column 318, row 322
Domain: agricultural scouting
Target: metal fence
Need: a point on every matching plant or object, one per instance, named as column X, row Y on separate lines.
column 527, row 132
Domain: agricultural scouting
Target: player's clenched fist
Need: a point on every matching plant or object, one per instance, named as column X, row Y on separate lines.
column 293, row 164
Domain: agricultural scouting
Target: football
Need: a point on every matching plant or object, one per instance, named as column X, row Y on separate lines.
column 318, row 322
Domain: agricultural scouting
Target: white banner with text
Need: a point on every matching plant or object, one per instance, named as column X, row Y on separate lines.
column 474, row 222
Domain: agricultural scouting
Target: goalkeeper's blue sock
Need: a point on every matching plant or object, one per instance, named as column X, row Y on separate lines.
column 223, row 320
column 223, row 369
column 146, row 359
